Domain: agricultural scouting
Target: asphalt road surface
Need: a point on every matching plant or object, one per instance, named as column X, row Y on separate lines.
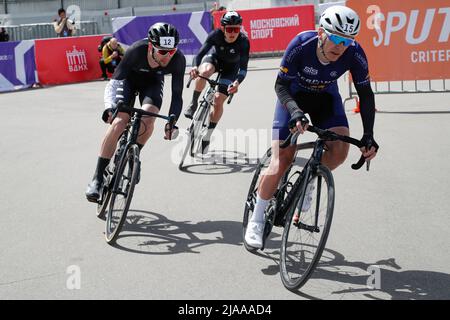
column 184, row 238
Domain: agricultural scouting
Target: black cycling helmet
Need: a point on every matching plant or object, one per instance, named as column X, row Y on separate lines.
column 231, row 17
column 161, row 30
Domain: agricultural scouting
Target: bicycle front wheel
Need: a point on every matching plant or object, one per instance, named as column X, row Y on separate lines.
column 103, row 206
column 306, row 230
column 200, row 126
column 188, row 147
column 122, row 192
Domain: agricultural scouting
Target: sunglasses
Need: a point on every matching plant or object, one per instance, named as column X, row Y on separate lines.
column 338, row 39
column 164, row 52
column 232, row 29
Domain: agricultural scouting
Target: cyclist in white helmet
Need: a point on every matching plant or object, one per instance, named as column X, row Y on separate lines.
column 307, row 84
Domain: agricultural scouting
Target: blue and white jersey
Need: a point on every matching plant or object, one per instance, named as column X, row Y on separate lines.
column 301, row 66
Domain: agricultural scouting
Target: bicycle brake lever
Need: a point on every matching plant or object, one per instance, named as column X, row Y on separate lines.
column 359, row 164
column 230, row 98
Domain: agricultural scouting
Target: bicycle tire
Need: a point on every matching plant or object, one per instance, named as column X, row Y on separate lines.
column 305, row 267
column 251, row 196
column 103, row 207
column 188, row 146
column 199, row 123
column 122, row 175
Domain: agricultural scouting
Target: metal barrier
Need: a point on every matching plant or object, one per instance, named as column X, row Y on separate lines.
column 46, row 30
column 400, row 87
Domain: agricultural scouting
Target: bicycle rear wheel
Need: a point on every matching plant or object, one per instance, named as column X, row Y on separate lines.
column 306, row 230
column 122, row 192
column 251, row 196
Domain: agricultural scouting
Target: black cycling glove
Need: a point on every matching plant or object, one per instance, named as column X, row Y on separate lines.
column 297, row 116
column 368, row 141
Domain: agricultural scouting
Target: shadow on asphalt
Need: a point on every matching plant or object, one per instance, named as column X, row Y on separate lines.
column 218, row 162
column 152, row 233
column 353, row 277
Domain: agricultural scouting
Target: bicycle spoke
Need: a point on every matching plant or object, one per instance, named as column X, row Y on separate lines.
column 122, row 193
column 305, row 234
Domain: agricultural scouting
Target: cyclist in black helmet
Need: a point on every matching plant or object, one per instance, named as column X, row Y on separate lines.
column 141, row 72
column 225, row 50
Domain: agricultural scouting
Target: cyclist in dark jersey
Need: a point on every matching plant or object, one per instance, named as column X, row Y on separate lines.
column 141, row 71
column 307, row 83
column 225, row 50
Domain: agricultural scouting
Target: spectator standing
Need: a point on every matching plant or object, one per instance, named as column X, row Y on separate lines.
column 4, row 36
column 64, row 27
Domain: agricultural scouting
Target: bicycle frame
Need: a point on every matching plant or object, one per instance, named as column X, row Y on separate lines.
column 132, row 135
column 283, row 205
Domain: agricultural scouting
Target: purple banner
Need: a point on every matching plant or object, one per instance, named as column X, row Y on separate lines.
column 17, row 65
column 193, row 28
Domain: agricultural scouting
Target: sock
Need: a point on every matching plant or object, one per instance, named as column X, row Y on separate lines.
column 260, row 208
column 102, row 163
column 211, row 127
column 195, row 97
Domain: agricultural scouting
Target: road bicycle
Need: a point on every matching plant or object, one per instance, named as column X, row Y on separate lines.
column 305, row 216
column 198, row 127
column 123, row 173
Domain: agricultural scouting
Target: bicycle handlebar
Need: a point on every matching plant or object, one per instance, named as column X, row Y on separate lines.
column 328, row 135
column 212, row 83
column 121, row 107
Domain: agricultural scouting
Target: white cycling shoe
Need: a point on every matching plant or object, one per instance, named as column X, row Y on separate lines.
column 254, row 234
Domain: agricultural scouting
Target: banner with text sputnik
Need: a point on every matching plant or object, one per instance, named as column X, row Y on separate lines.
column 405, row 40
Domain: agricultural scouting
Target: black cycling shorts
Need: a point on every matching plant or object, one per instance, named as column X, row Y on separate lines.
column 150, row 93
column 325, row 110
column 228, row 72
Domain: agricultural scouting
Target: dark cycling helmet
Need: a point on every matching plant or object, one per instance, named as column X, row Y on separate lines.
column 160, row 29
column 231, row 17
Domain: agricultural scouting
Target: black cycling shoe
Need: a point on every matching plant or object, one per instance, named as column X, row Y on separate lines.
column 189, row 113
column 93, row 191
column 205, row 146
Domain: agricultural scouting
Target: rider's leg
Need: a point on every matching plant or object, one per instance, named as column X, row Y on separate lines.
column 147, row 124
column 337, row 151
column 333, row 118
column 227, row 74
column 279, row 163
column 112, row 135
column 107, row 149
column 150, row 98
column 214, row 117
column 115, row 91
column 206, row 69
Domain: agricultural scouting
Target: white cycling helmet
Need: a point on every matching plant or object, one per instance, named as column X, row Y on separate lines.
column 340, row 19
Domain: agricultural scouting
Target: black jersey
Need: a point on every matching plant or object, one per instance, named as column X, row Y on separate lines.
column 228, row 53
column 134, row 68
